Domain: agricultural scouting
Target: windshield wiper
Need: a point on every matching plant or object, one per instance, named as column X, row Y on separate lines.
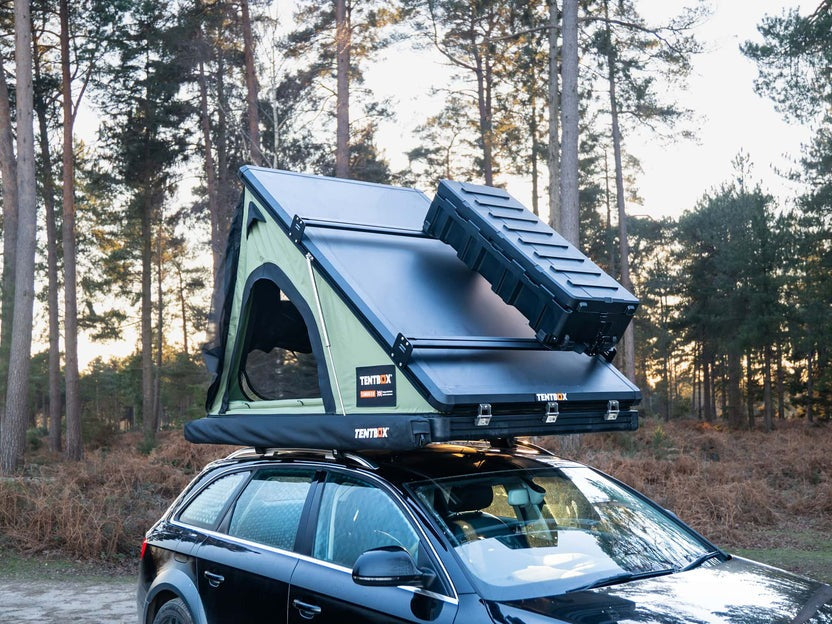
column 700, row 560
column 626, row 577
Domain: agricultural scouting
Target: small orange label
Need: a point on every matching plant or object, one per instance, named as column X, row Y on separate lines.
column 368, row 394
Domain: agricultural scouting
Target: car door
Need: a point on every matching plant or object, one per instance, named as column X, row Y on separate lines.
column 354, row 515
column 244, row 567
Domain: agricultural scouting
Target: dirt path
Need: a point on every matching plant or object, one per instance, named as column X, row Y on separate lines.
column 80, row 601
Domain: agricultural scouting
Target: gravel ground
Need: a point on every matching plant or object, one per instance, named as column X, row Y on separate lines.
column 80, row 601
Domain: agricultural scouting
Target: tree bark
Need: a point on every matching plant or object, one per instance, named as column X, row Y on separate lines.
column 217, row 241
column 13, row 435
column 781, row 402
column 184, row 311
column 484, row 110
column 610, row 237
column 707, row 378
column 553, row 160
column 74, row 444
column 624, row 249
column 533, row 132
column 225, row 189
column 55, row 403
column 810, row 408
column 768, row 410
column 251, row 86
column 735, row 419
column 160, row 319
column 342, row 103
column 148, row 403
column 569, row 217
column 749, row 390
column 8, row 171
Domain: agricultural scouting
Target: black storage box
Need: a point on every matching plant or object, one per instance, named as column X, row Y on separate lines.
column 569, row 301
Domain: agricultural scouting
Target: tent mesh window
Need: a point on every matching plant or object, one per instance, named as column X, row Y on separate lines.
column 277, row 360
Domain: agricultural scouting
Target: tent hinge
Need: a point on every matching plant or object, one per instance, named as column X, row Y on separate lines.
column 483, row 418
column 552, row 412
column 297, row 229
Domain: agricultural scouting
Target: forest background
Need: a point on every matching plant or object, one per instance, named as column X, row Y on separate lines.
column 123, row 124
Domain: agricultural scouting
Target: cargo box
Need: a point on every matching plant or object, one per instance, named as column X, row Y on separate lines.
column 345, row 326
column 568, row 300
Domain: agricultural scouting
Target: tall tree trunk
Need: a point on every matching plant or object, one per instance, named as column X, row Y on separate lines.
column 342, row 104
column 781, row 402
column 810, row 408
column 483, row 99
column 55, row 404
column 695, row 359
column 13, row 435
column 553, row 159
column 251, row 86
column 749, row 389
column 768, row 410
column 610, row 236
column 183, row 310
column 217, row 241
column 223, row 186
column 74, row 444
column 624, row 248
column 8, row 171
column 569, row 217
column 160, row 318
column 533, row 132
column 723, row 398
column 735, row 419
column 707, row 379
column 148, row 403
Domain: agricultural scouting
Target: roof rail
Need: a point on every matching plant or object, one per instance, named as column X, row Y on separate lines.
column 328, row 454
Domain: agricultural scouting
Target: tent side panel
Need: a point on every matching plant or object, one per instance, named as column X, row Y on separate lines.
column 353, row 353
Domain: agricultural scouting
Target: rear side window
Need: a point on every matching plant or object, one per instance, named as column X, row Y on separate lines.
column 269, row 509
column 204, row 510
column 356, row 517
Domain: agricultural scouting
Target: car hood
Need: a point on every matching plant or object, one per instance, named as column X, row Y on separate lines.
column 736, row 591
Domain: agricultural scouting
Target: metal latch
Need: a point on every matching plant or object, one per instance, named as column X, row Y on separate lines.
column 483, row 415
column 552, row 412
column 612, row 410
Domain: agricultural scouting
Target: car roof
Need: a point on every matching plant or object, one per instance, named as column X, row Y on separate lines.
column 435, row 461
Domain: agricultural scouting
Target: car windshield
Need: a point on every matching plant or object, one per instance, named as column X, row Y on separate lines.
column 527, row 533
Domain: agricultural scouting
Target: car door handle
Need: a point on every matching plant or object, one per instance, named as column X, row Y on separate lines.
column 307, row 611
column 214, row 580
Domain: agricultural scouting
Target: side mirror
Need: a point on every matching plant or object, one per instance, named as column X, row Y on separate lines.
column 389, row 566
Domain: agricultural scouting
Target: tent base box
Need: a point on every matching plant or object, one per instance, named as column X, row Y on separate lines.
column 393, row 432
column 568, row 300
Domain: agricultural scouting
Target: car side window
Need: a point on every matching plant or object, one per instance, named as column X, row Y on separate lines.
column 355, row 517
column 204, row 510
column 269, row 509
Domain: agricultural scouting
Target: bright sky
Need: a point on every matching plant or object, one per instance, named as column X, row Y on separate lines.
column 730, row 118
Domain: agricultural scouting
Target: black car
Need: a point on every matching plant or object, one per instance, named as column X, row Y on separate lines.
column 469, row 534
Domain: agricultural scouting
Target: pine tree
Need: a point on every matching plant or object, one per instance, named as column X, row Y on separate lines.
column 13, row 433
column 144, row 141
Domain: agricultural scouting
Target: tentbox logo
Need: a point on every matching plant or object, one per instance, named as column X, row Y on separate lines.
column 371, row 433
column 551, row 396
column 375, row 386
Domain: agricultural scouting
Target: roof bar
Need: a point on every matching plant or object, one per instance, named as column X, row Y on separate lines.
column 404, row 346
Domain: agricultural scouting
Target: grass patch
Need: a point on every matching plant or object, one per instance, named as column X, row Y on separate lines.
column 814, row 564
column 16, row 566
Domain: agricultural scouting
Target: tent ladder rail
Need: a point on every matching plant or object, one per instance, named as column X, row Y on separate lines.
column 299, row 225
column 325, row 334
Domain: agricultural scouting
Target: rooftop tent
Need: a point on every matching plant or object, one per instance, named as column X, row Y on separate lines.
column 346, row 326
